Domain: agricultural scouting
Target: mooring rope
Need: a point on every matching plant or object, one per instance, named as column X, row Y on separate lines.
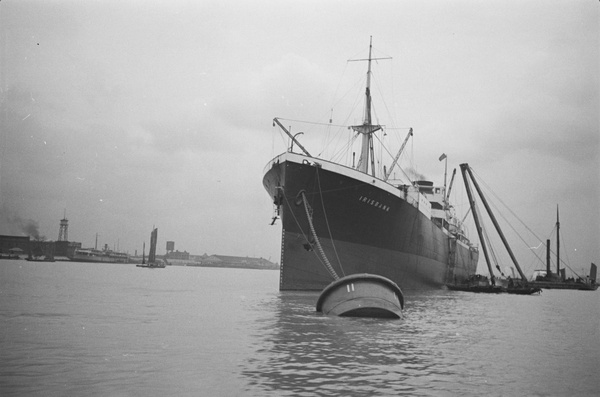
column 317, row 242
column 327, row 223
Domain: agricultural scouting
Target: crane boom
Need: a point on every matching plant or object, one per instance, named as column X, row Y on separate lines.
column 466, row 169
column 389, row 172
column 276, row 120
column 449, row 188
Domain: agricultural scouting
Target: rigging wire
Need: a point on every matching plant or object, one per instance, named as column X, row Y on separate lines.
column 506, row 206
column 345, row 151
column 491, row 250
column 523, row 224
column 392, row 118
column 489, row 189
column 333, row 103
column 526, row 227
column 566, row 254
column 310, row 122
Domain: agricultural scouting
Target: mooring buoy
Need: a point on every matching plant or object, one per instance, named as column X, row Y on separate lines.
column 362, row 295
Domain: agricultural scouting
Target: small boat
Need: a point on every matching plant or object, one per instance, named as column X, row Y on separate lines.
column 523, row 290
column 45, row 258
column 362, row 295
column 548, row 279
column 37, row 254
column 152, row 263
column 518, row 287
column 476, row 283
column 13, row 253
column 9, row 256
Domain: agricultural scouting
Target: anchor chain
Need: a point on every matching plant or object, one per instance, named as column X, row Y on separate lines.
column 314, row 233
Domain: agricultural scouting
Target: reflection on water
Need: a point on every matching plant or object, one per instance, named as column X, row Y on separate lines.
column 75, row 329
column 448, row 343
column 300, row 351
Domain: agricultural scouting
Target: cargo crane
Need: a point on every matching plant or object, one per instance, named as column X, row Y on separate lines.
column 388, row 173
column 466, row 169
column 449, row 189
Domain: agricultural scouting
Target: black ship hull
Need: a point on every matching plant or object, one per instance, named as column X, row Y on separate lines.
column 565, row 285
column 364, row 225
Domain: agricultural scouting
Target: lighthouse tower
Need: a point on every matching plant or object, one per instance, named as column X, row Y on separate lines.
column 63, row 233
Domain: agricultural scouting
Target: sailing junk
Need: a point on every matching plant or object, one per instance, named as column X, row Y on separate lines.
column 366, row 223
column 152, row 263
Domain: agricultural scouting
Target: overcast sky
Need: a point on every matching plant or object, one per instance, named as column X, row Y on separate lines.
column 130, row 114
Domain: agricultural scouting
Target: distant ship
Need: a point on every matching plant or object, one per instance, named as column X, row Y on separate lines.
column 365, row 223
column 99, row 256
column 548, row 280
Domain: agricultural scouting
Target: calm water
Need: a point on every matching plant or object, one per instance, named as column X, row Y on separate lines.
column 117, row 330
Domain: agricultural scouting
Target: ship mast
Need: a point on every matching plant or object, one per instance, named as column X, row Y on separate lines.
column 557, row 243
column 367, row 129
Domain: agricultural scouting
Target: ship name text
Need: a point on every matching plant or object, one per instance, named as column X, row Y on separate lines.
column 374, row 203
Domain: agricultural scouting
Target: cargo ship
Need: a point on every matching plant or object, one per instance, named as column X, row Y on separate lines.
column 99, row 256
column 364, row 222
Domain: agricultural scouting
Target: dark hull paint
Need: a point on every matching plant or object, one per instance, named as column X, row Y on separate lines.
column 523, row 290
column 486, row 289
column 564, row 285
column 154, row 266
column 384, row 235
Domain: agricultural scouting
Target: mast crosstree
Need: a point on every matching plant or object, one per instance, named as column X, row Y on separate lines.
column 367, row 129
